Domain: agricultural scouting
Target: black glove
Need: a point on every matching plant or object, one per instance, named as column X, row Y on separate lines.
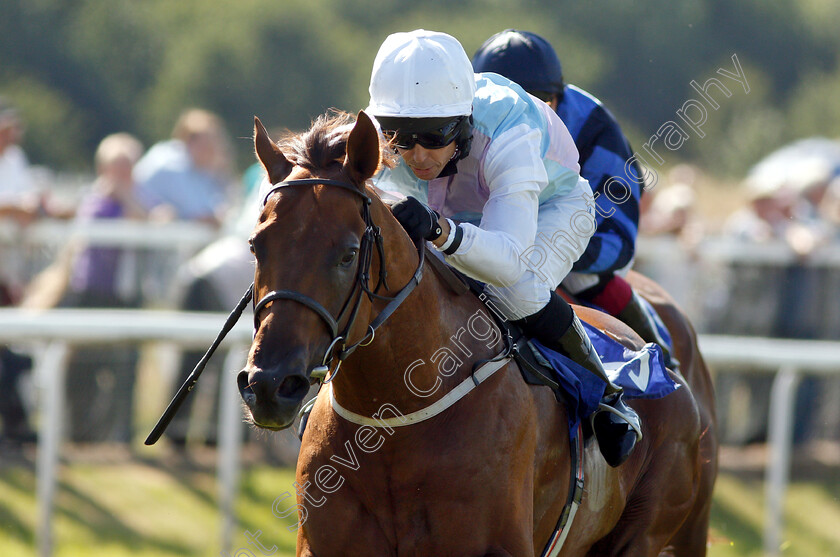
column 418, row 219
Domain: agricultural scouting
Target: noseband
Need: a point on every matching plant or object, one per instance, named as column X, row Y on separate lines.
column 371, row 237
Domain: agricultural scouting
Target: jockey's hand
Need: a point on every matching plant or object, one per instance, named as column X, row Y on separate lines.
column 419, row 220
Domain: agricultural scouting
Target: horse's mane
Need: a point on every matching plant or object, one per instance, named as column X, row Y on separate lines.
column 324, row 144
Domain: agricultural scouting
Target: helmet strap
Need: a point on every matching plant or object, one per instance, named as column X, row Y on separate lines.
column 450, row 168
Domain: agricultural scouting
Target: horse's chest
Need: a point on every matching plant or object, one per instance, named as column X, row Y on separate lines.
column 417, row 510
column 422, row 490
column 396, row 519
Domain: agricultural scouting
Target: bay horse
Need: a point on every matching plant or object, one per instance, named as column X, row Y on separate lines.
column 404, row 470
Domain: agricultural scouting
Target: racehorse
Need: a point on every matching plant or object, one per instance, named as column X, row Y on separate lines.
column 433, row 452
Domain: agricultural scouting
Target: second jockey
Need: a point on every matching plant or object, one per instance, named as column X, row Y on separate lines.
column 607, row 163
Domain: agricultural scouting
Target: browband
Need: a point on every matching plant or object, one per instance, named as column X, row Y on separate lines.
column 314, row 182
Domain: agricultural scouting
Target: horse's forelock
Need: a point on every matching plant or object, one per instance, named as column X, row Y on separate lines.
column 324, row 145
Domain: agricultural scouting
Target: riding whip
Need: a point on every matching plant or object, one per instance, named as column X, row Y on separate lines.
column 188, row 385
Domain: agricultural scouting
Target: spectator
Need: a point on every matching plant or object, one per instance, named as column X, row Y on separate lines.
column 184, row 178
column 770, row 216
column 187, row 176
column 18, row 201
column 100, row 379
column 829, row 206
column 777, row 295
column 672, row 209
column 14, row 415
column 812, row 227
column 795, row 179
column 672, row 228
column 18, row 198
column 98, row 278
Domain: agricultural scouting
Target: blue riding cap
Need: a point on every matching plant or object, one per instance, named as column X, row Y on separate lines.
column 523, row 57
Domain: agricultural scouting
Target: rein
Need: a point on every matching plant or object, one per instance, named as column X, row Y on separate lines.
column 372, row 237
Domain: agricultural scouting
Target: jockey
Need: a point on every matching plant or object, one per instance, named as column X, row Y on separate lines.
column 492, row 180
column 606, row 161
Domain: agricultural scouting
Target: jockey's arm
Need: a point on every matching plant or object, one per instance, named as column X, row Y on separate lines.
column 515, row 175
column 492, row 251
column 617, row 186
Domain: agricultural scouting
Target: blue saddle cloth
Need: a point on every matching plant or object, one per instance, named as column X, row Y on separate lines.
column 641, row 374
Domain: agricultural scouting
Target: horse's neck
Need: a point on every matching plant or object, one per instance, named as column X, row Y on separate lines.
column 425, row 348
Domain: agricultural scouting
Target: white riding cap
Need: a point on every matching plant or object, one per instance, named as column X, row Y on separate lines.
column 421, row 74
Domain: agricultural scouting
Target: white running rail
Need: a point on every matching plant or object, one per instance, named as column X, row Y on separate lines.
column 53, row 331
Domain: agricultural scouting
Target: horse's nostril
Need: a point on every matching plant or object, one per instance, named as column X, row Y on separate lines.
column 245, row 389
column 293, row 386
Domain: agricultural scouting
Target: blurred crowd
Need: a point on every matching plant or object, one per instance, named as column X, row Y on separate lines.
column 788, row 203
column 188, row 177
column 773, row 273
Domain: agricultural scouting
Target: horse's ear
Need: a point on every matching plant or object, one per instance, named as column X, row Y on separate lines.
column 269, row 154
column 363, row 152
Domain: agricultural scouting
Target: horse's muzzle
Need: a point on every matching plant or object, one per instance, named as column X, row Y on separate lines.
column 272, row 399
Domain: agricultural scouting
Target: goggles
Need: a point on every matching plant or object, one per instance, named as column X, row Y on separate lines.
column 430, row 133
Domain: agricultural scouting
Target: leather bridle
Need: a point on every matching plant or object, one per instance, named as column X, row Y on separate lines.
column 372, row 237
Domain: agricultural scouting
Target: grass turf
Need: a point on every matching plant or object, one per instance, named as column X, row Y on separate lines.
column 157, row 508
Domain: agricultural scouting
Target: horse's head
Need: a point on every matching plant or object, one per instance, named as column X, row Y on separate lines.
column 312, row 246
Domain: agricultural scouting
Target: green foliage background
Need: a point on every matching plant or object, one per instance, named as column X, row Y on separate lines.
column 80, row 69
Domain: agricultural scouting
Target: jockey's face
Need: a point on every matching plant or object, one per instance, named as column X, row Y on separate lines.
column 427, row 164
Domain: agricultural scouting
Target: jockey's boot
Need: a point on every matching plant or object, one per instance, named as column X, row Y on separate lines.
column 635, row 315
column 616, row 426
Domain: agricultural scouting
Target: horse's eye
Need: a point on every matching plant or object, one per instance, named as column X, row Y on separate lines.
column 251, row 246
column 348, row 257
